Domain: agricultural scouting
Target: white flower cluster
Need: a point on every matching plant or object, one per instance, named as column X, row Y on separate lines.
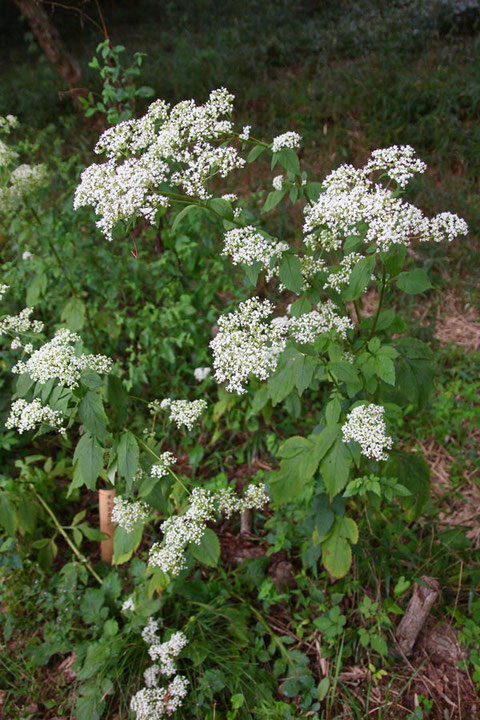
column 7, row 155
column 306, row 328
column 247, row 345
column 127, row 514
column 341, row 275
column 183, row 530
column 20, row 323
column 128, row 605
column 8, row 123
column 3, row 290
column 26, row 416
column 182, row 147
column 230, row 197
column 351, row 199
column 400, row 163
column 161, row 468
column 248, row 245
column 24, row 180
column 201, row 373
column 277, row 182
column 153, row 701
column 184, row 412
column 245, row 134
column 286, row 140
column 57, row 359
column 365, row 424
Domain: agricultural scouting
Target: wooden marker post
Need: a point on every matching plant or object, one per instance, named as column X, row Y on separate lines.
column 105, row 507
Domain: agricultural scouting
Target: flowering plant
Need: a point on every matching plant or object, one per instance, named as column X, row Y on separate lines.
column 353, row 245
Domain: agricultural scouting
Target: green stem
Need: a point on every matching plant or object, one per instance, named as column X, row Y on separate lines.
column 71, row 545
column 380, row 301
column 157, row 457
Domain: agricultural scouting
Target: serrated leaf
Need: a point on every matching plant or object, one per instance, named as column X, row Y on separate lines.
column 127, row 455
column 88, row 462
column 359, row 278
column 92, row 414
column 221, row 207
column 414, row 281
column 208, row 550
column 73, row 314
column 335, row 468
column 290, row 272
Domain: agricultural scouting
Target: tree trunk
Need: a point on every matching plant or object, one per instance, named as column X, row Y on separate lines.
column 49, row 40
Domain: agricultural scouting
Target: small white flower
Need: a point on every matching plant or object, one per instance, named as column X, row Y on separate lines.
column 3, row 290
column 245, row 134
column 230, row 197
column 201, row 373
column 365, row 424
column 57, row 359
column 128, row 605
column 277, row 182
column 26, row 416
column 286, row 140
column 161, row 468
column 184, row 412
column 27, row 255
column 247, row 344
column 127, row 514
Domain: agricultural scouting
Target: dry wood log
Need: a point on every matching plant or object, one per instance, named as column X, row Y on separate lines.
column 420, row 604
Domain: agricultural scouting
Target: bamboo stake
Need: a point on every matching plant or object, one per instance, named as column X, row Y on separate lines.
column 105, row 507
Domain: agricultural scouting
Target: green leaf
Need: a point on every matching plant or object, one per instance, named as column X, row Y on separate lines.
column 336, row 549
column 252, row 272
column 127, row 454
column 304, row 368
column 414, row 281
column 117, row 397
column 92, row 414
column 288, row 159
column 335, row 467
column 221, row 207
column 88, row 462
column 73, row 314
column 255, row 153
column 359, row 278
column 125, row 544
column 301, row 457
column 208, row 550
column 394, row 258
column 273, row 199
column 290, row 272
column 36, row 288
column 8, row 514
column 183, row 213
column 332, row 411
column 323, row 688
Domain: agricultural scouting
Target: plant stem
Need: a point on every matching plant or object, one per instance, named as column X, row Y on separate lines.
column 380, row 301
column 71, row 545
